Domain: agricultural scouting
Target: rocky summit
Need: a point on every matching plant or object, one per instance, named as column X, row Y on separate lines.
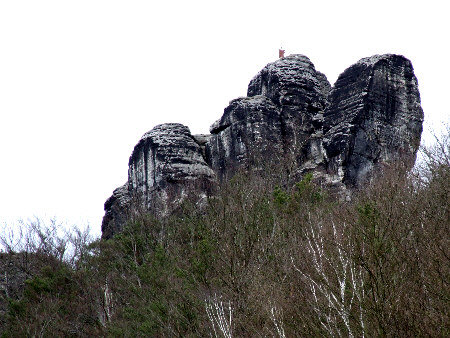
column 291, row 117
column 374, row 116
column 166, row 166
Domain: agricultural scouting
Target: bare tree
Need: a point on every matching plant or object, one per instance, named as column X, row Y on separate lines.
column 335, row 282
column 220, row 315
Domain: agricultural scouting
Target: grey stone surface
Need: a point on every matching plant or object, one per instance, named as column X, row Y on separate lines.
column 247, row 136
column 300, row 92
column 117, row 211
column 166, row 166
column 167, row 154
column 374, row 117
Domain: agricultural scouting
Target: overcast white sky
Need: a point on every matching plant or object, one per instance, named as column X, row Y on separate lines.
column 81, row 81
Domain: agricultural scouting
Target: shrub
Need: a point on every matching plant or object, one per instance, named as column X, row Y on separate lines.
column 261, row 259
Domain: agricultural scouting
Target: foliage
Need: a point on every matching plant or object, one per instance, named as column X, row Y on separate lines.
column 260, row 260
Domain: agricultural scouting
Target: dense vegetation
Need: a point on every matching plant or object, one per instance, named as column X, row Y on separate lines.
column 260, row 260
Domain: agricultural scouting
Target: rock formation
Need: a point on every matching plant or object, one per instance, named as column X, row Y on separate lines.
column 300, row 93
column 248, row 134
column 374, row 116
column 291, row 116
column 117, row 211
column 166, row 166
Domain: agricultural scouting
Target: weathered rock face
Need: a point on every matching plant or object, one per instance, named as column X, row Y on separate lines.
column 117, row 211
column 374, row 116
column 291, row 117
column 280, row 120
column 166, row 157
column 300, row 93
column 166, row 166
column 247, row 136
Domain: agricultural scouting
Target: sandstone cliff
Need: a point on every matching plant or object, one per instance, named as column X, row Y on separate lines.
column 166, row 166
column 374, row 116
column 291, row 117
